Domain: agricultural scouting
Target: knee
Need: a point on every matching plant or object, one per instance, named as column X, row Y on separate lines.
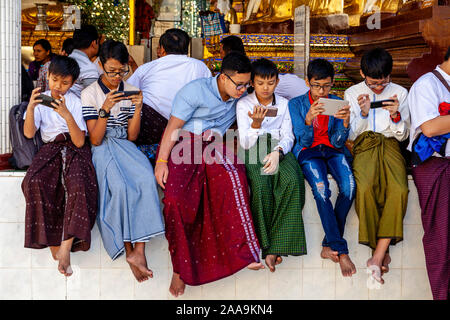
column 320, row 191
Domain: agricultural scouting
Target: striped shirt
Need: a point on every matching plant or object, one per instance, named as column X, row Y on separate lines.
column 93, row 97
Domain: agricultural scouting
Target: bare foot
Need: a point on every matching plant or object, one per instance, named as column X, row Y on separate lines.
column 327, row 253
column 385, row 264
column 177, row 285
column 138, row 263
column 374, row 269
column 63, row 256
column 54, row 251
column 279, row 260
column 255, row 266
column 347, row 266
column 271, row 260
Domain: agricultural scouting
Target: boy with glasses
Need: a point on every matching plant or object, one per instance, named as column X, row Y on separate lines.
column 378, row 166
column 206, row 196
column 319, row 149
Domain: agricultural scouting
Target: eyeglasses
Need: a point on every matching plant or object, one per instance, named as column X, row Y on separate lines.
column 120, row 73
column 238, row 86
column 383, row 84
column 325, row 87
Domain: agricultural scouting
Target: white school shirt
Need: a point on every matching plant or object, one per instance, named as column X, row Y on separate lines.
column 51, row 123
column 378, row 120
column 93, row 98
column 291, row 86
column 424, row 98
column 161, row 79
column 88, row 72
column 280, row 127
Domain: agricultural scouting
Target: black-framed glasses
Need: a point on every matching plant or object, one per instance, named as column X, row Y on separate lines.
column 122, row 73
column 238, row 86
column 325, row 87
column 383, row 84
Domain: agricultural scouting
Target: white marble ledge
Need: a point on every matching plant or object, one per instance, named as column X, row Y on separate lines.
column 12, row 173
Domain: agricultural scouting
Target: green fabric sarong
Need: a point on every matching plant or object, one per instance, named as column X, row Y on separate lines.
column 381, row 188
column 276, row 200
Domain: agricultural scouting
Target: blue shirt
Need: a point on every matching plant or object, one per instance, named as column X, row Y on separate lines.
column 199, row 104
column 304, row 134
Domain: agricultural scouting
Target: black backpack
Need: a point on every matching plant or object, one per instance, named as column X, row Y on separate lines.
column 23, row 149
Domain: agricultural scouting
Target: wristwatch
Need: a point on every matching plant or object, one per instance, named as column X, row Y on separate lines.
column 103, row 114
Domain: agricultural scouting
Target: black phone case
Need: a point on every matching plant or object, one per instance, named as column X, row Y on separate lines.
column 46, row 100
column 379, row 104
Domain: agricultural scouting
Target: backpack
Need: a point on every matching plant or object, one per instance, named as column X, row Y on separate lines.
column 23, row 149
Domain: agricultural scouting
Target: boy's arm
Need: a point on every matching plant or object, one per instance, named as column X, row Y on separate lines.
column 436, row 127
column 97, row 126
column 400, row 127
column 303, row 133
column 167, row 143
column 76, row 134
column 358, row 122
column 29, row 126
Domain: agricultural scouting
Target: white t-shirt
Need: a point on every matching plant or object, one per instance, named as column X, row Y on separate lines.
column 161, row 79
column 93, row 98
column 51, row 123
column 291, row 86
column 89, row 72
column 378, row 120
column 280, row 127
column 424, row 98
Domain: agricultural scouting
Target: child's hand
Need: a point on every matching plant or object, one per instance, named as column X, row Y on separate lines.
column 314, row 111
column 137, row 101
column 111, row 99
column 61, row 108
column 271, row 162
column 392, row 107
column 258, row 115
column 34, row 101
column 364, row 104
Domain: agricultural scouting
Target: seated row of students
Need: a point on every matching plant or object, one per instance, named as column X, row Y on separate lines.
column 212, row 232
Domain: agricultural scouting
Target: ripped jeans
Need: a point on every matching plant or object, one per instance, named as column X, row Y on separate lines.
column 316, row 163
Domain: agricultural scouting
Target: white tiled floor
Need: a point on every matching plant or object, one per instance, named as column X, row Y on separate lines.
column 32, row 274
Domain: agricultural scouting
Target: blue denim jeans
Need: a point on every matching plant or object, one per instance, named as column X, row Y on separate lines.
column 316, row 163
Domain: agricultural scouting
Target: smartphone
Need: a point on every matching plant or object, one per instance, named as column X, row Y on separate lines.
column 46, row 100
column 379, row 104
column 128, row 93
column 332, row 106
column 271, row 112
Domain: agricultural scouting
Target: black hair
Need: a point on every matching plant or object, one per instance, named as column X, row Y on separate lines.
column 232, row 43
column 68, row 45
column 64, row 66
column 264, row 68
column 447, row 55
column 320, row 69
column 111, row 49
column 376, row 63
column 45, row 44
column 83, row 37
column 175, row 41
column 236, row 62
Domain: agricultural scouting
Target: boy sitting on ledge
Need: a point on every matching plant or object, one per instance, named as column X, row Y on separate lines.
column 60, row 187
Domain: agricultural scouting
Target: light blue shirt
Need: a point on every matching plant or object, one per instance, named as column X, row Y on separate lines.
column 199, row 104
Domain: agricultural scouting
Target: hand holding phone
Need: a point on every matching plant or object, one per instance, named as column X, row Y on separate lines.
column 47, row 100
column 128, row 93
column 379, row 104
